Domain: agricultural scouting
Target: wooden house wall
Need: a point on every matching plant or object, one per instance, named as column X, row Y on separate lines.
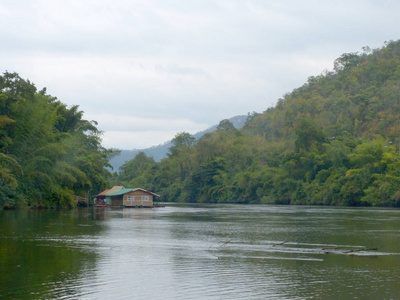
column 117, row 200
column 134, row 198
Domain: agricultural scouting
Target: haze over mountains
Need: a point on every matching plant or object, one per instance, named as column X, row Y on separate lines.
column 159, row 152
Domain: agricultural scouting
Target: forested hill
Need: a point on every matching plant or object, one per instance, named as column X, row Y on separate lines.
column 333, row 141
column 360, row 97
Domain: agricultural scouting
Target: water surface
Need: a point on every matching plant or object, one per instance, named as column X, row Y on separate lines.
column 201, row 252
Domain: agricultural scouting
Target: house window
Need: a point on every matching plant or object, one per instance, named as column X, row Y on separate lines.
column 145, row 198
column 130, row 198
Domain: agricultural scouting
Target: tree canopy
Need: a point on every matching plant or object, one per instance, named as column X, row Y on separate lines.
column 48, row 152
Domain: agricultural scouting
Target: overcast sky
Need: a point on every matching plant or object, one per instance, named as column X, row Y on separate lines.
column 148, row 69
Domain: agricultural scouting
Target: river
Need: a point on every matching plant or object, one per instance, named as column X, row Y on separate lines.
column 201, row 252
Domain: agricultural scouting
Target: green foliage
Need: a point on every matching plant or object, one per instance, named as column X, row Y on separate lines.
column 181, row 143
column 48, row 153
column 134, row 168
column 333, row 141
column 225, row 125
column 308, row 135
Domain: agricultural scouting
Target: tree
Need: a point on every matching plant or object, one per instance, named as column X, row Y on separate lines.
column 180, row 153
column 135, row 167
column 308, row 134
column 225, row 125
column 182, row 142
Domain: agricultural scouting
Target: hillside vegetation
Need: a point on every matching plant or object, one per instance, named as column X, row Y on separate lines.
column 333, row 141
column 48, row 153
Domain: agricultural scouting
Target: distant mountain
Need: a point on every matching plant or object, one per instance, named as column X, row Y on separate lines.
column 159, row 152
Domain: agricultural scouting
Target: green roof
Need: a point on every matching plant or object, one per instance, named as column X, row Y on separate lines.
column 122, row 191
column 125, row 190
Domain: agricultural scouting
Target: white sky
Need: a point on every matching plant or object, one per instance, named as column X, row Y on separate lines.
column 148, row 69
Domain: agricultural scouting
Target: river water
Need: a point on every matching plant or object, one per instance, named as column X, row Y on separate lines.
column 201, row 252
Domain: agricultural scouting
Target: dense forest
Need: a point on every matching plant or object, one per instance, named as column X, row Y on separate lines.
column 333, row 141
column 48, row 153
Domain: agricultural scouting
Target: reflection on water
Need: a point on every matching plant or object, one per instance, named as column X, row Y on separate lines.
column 201, row 252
